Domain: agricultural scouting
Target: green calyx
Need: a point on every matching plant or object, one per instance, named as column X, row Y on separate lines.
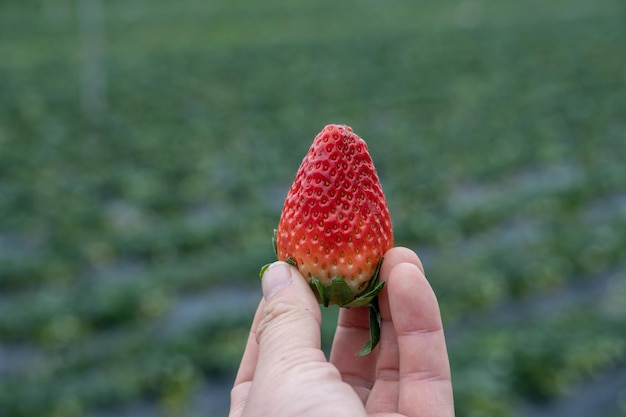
column 339, row 292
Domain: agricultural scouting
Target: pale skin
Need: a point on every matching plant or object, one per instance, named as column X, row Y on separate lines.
column 284, row 373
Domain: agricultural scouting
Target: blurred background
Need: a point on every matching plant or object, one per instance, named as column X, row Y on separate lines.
column 146, row 147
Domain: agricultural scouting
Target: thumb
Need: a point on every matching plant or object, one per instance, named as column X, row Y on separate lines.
column 289, row 326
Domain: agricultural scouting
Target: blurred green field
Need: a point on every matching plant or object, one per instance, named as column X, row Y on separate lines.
column 141, row 178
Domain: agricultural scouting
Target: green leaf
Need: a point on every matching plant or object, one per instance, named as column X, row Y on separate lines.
column 339, row 292
column 367, row 297
column 319, row 290
column 263, row 269
column 374, row 329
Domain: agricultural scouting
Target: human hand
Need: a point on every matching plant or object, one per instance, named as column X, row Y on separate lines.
column 284, row 373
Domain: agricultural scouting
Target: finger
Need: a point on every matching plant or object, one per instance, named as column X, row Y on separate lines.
column 289, row 327
column 424, row 370
column 351, row 334
column 399, row 255
column 384, row 394
column 353, row 331
column 248, row 361
column 288, row 338
column 245, row 374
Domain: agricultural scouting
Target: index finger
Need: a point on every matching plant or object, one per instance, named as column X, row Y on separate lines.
column 425, row 387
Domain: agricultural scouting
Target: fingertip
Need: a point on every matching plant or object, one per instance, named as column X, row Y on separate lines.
column 394, row 257
column 290, row 315
column 285, row 279
column 398, row 255
column 275, row 277
column 407, row 276
column 411, row 298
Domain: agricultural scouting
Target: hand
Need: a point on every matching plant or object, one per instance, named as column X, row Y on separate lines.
column 284, row 373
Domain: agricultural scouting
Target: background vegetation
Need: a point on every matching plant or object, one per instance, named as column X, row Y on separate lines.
column 146, row 148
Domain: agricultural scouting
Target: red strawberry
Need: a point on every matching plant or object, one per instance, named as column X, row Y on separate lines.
column 335, row 226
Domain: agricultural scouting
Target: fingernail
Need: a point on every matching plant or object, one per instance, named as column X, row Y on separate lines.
column 275, row 277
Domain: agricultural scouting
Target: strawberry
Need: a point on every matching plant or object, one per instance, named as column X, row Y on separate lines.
column 335, row 226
